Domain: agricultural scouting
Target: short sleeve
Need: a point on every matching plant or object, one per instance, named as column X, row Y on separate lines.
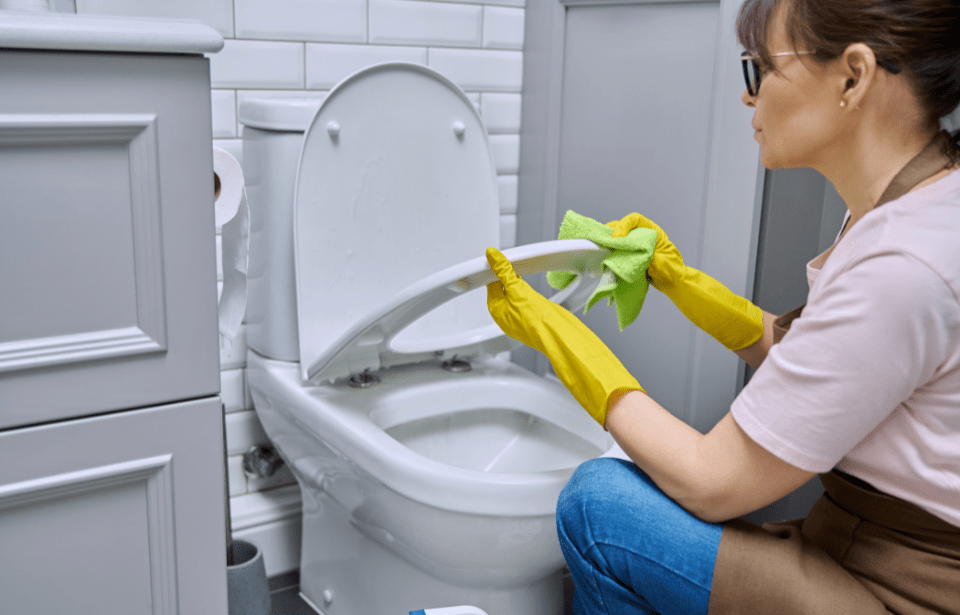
column 869, row 338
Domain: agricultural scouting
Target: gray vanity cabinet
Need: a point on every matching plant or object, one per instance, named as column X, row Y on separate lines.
column 111, row 439
column 120, row 514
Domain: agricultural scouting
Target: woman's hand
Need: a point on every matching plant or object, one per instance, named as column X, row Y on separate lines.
column 728, row 318
column 583, row 363
column 514, row 304
column 666, row 267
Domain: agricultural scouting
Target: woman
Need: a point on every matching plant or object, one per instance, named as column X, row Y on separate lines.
column 863, row 390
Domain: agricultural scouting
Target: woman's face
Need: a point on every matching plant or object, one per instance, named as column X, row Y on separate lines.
column 796, row 113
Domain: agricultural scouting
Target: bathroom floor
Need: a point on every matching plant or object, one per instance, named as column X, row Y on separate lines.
column 285, row 597
column 288, row 602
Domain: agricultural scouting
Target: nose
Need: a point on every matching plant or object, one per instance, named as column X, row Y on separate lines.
column 748, row 100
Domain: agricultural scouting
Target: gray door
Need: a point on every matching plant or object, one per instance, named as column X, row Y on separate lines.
column 635, row 106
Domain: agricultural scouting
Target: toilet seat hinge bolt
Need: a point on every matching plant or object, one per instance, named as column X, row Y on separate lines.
column 457, row 366
column 364, row 380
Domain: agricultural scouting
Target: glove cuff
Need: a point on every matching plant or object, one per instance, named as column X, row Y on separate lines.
column 729, row 318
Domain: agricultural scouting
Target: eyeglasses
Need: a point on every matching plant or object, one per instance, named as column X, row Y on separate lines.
column 751, row 70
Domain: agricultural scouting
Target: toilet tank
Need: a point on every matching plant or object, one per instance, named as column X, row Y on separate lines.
column 272, row 138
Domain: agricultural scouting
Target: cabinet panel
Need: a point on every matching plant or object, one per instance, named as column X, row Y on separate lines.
column 108, row 229
column 120, row 513
column 107, row 252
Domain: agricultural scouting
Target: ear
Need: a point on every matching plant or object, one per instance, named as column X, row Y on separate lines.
column 856, row 74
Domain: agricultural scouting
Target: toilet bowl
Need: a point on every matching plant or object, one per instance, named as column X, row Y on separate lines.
column 429, row 464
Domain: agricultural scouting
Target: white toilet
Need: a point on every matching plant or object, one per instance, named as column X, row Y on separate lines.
column 429, row 464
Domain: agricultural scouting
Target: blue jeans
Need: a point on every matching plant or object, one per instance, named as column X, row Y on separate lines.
column 630, row 548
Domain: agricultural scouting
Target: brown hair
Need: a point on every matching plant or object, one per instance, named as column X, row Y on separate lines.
column 920, row 37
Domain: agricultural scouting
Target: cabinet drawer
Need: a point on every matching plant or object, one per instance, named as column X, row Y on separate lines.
column 118, row 514
column 108, row 295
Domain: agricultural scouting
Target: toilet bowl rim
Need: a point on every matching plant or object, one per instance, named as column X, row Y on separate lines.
column 417, row 477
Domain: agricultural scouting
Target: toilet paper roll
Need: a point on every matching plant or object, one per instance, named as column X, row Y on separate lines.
column 233, row 216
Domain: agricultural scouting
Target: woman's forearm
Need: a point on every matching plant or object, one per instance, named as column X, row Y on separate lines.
column 715, row 476
column 754, row 354
column 662, row 445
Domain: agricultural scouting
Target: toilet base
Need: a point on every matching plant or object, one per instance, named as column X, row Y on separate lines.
column 345, row 572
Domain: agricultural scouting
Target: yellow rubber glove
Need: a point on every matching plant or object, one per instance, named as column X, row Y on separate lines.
column 730, row 319
column 582, row 362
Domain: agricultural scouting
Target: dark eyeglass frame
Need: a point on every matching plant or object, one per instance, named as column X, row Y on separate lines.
column 750, row 65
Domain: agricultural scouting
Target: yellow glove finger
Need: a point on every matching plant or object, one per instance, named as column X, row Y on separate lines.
column 502, row 267
column 517, row 308
column 632, row 221
column 497, row 291
column 495, row 295
column 507, row 311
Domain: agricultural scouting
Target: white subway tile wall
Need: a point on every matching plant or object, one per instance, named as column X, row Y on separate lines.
column 303, row 48
column 502, row 28
column 237, row 480
column 218, row 14
column 405, row 22
column 501, row 112
column 341, row 21
column 508, row 194
column 485, row 70
column 231, row 389
column 327, row 65
column 223, row 105
column 243, row 432
column 506, row 153
column 257, row 64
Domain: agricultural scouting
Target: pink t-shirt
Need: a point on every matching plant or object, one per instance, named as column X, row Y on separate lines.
column 867, row 380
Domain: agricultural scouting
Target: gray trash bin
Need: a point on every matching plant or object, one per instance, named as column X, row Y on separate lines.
column 247, row 589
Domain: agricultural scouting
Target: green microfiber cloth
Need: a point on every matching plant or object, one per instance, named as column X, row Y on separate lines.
column 624, row 280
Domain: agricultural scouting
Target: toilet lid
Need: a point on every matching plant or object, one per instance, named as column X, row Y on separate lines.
column 396, row 182
column 377, row 341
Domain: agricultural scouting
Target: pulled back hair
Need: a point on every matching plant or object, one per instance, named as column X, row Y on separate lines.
column 921, row 37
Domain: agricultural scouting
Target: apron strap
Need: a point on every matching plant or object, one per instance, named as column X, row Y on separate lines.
column 934, row 158
column 782, row 324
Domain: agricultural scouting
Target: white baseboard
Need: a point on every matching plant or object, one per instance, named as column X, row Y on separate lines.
column 262, row 507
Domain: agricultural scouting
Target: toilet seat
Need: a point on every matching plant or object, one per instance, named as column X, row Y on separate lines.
column 396, row 180
column 376, row 341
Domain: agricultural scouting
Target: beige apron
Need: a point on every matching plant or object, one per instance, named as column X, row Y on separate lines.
column 859, row 551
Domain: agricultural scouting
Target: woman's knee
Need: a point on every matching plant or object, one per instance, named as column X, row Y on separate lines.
column 602, row 486
column 600, row 477
column 607, row 493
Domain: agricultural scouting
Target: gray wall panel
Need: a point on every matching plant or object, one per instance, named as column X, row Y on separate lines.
column 635, row 137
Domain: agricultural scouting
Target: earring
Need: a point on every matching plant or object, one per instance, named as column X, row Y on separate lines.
column 843, row 103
